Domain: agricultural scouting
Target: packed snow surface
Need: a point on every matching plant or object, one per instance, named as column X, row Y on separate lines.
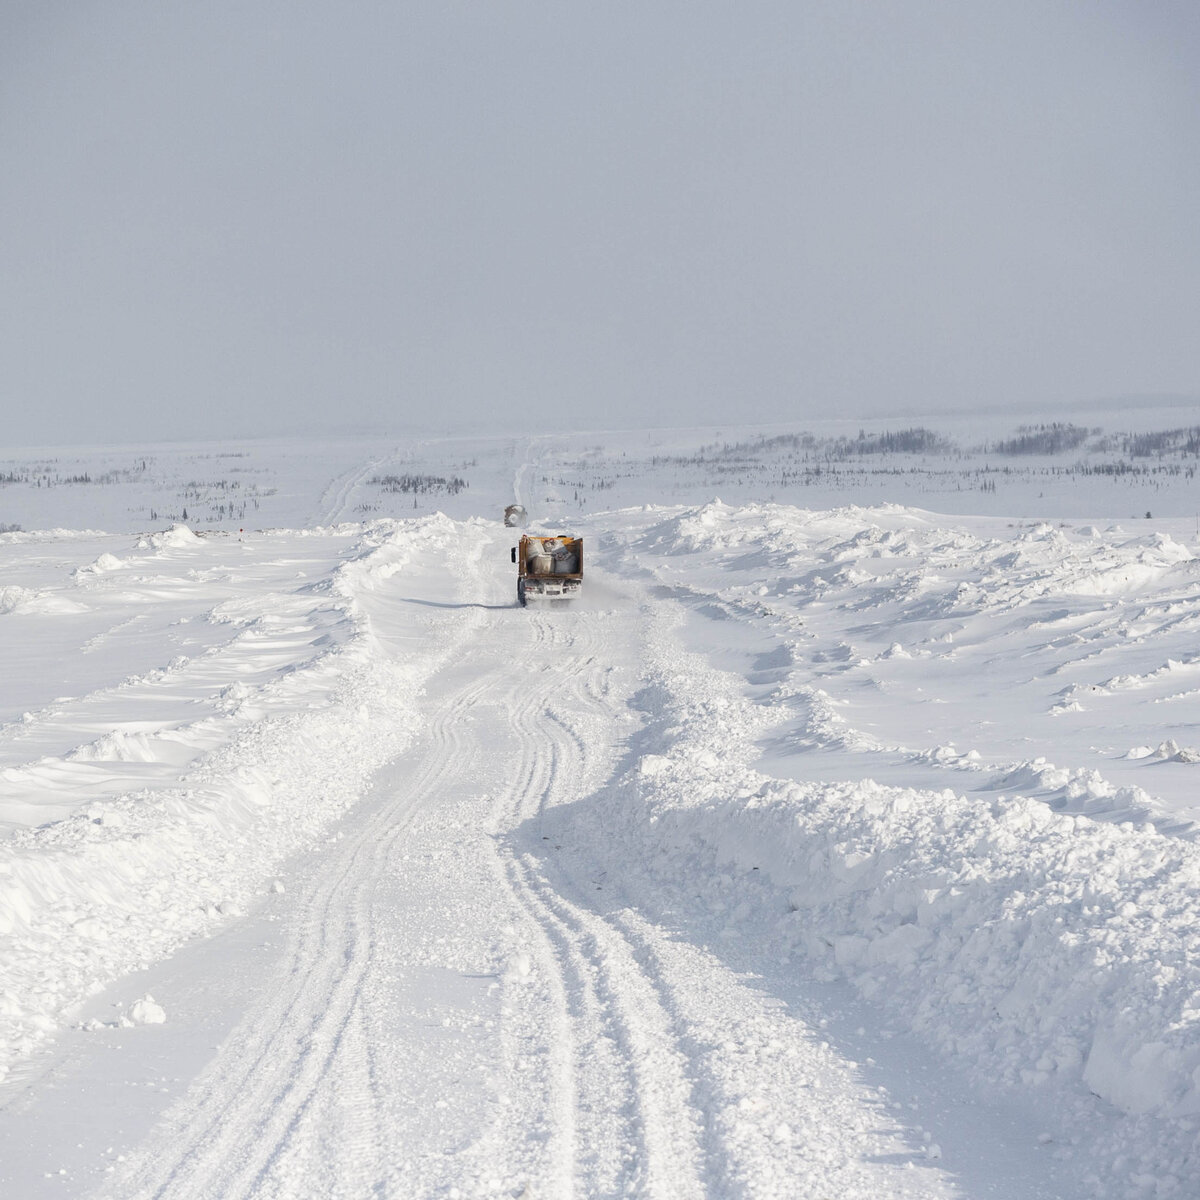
column 836, row 851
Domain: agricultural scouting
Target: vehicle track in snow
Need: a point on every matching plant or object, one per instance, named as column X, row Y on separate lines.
column 597, row 1098
column 291, row 1105
column 334, row 505
column 713, row 1087
column 618, row 1080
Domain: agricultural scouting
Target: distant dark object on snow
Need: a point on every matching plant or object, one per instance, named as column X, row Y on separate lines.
column 422, row 484
column 1056, row 438
column 515, row 516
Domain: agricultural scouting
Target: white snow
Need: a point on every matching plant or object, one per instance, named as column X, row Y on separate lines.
column 147, row 1012
column 834, row 851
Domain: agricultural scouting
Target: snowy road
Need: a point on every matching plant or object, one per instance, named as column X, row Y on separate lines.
column 603, row 898
column 464, row 1002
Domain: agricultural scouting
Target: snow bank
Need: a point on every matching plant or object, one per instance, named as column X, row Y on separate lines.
column 120, row 885
column 1040, row 948
column 1057, row 950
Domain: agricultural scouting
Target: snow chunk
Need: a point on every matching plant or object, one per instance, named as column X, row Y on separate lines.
column 519, row 968
column 652, row 765
column 147, row 1011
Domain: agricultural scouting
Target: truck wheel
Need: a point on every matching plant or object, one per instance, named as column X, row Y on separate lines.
column 521, row 592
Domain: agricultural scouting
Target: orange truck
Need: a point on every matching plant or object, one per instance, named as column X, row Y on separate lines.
column 549, row 566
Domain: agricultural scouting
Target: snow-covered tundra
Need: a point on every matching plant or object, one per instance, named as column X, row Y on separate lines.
column 829, row 851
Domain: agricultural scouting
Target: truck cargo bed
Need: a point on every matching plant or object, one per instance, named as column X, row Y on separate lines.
column 548, row 565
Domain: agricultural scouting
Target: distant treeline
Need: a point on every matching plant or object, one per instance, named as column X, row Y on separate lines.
column 1169, row 441
column 419, row 484
column 906, row 441
column 1042, row 439
column 806, row 446
column 41, row 477
column 1058, row 438
column 1047, row 440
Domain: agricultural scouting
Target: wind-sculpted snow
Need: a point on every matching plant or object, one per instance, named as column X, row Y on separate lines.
column 121, row 882
column 944, row 642
column 25, row 601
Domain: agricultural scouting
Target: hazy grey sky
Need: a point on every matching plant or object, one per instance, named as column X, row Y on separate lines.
column 221, row 219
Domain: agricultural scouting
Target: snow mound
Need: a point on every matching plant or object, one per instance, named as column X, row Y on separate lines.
column 179, row 536
column 29, row 602
column 14, row 599
column 103, row 565
column 147, row 1011
column 118, row 746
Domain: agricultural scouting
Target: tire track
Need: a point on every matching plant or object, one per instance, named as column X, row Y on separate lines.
column 708, row 1100
column 635, row 1128
column 259, row 1103
column 336, row 497
column 302, row 1099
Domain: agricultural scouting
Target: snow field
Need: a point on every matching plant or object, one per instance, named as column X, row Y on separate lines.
column 894, row 632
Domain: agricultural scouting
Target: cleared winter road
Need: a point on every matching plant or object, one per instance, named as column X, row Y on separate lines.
column 462, row 1001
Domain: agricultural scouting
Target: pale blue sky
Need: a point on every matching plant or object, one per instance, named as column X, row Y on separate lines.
column 229, row 219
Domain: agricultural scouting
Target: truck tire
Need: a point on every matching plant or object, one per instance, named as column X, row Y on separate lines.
column 521, row 592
